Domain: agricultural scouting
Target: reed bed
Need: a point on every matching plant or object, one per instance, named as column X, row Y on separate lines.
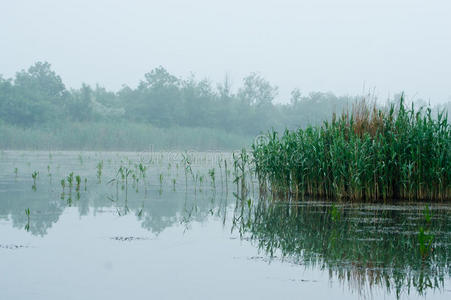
column 370, row 153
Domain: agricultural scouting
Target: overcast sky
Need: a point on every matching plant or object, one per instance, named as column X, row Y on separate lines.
column 315, row 45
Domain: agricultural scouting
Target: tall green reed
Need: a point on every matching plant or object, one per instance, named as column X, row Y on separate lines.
column 367, row 154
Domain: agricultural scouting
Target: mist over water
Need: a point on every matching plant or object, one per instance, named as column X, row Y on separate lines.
column 225, row 150
column 339, row 46
column 171, row 216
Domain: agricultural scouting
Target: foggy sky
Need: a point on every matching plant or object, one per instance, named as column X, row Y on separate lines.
column 315, row 45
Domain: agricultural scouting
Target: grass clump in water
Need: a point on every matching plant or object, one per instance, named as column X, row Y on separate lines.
column 368, row 154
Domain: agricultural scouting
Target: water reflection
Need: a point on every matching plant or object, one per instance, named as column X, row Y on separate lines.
column 362, row 245
column 401, row 249
column 167, row 195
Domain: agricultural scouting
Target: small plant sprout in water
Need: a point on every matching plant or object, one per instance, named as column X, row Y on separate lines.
column 135, row 181
column 16, row 171
column 27, row 213
column 124, row 172
column 70, row 181
column 86, row 182
column 49, row 174
column 63, row 184
column 161, row 183
column 142, row 170
column 220, row 172
column 188, row 169
column 174, row 181
column 99, row 171
column 161, row 179
column 201, row 181
column 140, row 213
column 34, row 175
column 211, row 173
column 78, row 181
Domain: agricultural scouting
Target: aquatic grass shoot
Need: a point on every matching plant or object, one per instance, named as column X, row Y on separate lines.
column 34, row 175
column 78, row 182
column 99, row 171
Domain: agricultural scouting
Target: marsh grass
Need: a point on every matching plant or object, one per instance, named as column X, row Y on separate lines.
column 367, row 154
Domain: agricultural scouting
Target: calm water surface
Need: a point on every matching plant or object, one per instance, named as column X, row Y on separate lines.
column 172, row 232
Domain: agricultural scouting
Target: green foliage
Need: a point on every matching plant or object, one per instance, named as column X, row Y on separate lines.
column 38, row 99
column 37, row 111
column 80, row 105
column 34, row 96
column 370, row 154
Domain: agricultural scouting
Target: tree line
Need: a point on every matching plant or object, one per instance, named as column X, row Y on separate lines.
column 38, row 97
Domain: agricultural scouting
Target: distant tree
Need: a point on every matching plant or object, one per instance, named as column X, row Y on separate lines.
column 106, row 98
column 155, row 100
column 225, row 90
column 7, row 110
column 37, row 96
column 41, row 81
column 257, row 91
column 79, row 107
column 296, row 97
column 159, row 78
column 199, row 102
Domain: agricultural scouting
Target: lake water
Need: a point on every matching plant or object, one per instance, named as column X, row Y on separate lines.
column 173, row 230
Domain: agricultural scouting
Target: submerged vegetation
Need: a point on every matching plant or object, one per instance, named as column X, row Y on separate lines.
column 370, row 153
